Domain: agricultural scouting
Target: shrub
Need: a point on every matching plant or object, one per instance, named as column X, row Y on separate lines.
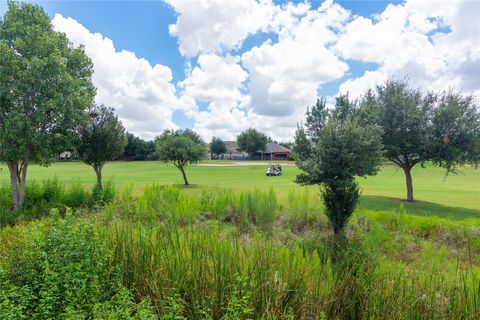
column 104, row 195
column 64, row 270
column 76, row 196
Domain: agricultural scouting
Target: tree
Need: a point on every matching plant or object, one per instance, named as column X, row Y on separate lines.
column 315, row 119
column 420, row 127
column 102, row 138
column 302, row 146
column 182, row 147
column 45, row 88
column 138, row 149
column 339, row 149
column 251, row 141
column 217, row 147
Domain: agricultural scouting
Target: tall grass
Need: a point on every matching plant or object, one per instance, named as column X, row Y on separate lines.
column 206, row 267
column 172, row 205
column 225, row 255
column 40, row 198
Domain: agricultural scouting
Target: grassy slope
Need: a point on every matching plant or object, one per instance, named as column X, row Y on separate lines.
column 457, row 196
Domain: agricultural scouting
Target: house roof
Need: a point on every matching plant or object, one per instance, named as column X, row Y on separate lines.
column 272, row 147
column 232, row 147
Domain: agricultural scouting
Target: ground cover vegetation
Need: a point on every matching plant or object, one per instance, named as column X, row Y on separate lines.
column 167, row 253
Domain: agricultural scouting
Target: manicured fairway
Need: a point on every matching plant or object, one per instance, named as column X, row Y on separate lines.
column 457, row 196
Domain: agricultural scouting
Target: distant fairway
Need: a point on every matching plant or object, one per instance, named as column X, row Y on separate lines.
column 457, row 196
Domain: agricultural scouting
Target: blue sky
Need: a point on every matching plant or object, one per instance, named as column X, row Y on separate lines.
column 142, row 26
column 244, row 82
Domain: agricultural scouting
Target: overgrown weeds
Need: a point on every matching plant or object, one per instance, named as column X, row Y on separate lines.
column 170, row 254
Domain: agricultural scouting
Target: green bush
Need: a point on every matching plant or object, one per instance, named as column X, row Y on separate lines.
column 76, row 196
column 104, row 195
column 40, row 199
column 64, row 270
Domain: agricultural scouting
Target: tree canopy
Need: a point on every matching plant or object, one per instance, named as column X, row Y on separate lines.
column 181, row 147
column 251, row 141
column 45, row 88
column 217, row 146
column 139, row 149
column 102, row 138
column 443, row 128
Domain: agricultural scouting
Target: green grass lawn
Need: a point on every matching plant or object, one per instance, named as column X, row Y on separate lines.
column 456, row 196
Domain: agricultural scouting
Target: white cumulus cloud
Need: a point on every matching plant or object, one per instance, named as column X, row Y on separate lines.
column 435, row 44
column 143, row 95
column 217, row 25
column 215, row 78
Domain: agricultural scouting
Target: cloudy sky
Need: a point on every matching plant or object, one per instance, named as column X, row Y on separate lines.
column 221, row 66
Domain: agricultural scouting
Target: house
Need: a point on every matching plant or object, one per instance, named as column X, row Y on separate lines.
column 65, row 155
column 232, row 152
column 273, row 151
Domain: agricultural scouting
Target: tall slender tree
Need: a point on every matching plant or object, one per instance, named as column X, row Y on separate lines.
column 45, row 88
column 341, row 148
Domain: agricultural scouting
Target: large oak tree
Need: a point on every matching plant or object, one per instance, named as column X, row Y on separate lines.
column 418, row 127
column 45, row 87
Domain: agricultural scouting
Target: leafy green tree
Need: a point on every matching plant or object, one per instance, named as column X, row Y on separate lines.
column 217, row 147
column 315, row 119
column 102, row 138
column 420, row 127
column 251, row 141
column 45, row 88
column 340, row 149
column 138, row 149
column 302, row 147
column 181, row 147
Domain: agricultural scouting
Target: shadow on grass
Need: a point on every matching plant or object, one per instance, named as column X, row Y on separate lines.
column 421, row 208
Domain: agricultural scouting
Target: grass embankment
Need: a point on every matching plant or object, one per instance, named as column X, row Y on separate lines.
column 457, row 196
column 238, row 255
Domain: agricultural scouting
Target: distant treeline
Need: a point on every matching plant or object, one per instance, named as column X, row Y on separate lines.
column 138, row 149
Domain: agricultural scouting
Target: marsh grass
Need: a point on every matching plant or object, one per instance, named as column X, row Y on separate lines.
column 206, row 268
column 221, row 254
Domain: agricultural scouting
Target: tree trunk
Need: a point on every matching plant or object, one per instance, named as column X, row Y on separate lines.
column 13, row 168
column 182, row 169
column 338, row 234
column 98, row 172
column 23, row 185
column 408, row 180
column 18, row 182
